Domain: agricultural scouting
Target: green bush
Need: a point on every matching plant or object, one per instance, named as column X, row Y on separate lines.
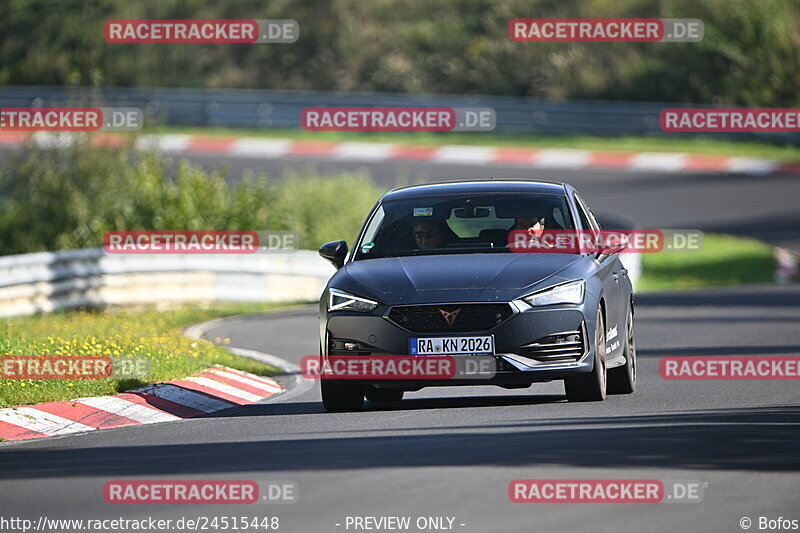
column 68, row 198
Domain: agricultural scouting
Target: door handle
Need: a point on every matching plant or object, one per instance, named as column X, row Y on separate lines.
column 616, row 276
column 624, row 272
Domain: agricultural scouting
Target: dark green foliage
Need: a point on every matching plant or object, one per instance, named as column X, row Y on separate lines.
column 63, row 199
column 748, row 57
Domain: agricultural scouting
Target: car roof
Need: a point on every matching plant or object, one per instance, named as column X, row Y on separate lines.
column 477, row 186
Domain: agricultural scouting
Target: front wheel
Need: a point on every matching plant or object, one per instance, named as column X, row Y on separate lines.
column 622, row 380
column 339, row 396
column 591, row 386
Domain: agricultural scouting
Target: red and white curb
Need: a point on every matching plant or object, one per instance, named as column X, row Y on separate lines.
column 212, row 390
column 260, row 148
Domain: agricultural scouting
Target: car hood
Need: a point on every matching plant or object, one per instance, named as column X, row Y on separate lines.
column 466, row 272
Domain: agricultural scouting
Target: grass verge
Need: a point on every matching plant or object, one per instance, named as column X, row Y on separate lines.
column 724, row 260
column 118, row 332
column 698, row 145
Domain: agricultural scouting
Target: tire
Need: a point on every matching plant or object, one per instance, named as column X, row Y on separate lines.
column 591, row 386
column 622, row 380
column 383, row 395
column 338, row 396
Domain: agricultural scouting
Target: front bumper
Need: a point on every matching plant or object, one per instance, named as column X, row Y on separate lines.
column 526, row 350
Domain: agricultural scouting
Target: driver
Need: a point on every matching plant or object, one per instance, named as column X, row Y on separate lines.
column 429, row 234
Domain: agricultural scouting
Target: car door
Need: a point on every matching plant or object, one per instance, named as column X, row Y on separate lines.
column 610, row 273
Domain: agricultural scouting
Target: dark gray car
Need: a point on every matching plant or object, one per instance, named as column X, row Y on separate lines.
column 434, row 272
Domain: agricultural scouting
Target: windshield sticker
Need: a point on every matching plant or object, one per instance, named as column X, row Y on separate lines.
column 423, row 211
column 367, row 247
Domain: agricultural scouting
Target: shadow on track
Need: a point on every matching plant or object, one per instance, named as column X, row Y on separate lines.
column 714, row 439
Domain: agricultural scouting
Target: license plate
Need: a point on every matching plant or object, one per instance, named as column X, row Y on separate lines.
column 452, row 346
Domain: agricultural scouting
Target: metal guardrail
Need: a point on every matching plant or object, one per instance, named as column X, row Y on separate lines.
column 50, row 281
column 264, row 109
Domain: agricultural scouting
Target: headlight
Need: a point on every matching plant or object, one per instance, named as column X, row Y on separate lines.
column 342, row 301
column 566, row 293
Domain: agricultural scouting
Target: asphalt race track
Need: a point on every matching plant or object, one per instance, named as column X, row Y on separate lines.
column 453, row 452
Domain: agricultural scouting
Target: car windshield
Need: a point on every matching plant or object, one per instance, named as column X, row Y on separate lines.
column 458, row 224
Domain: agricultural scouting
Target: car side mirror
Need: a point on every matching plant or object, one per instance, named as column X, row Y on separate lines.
column 614, row 242
column 335, row 252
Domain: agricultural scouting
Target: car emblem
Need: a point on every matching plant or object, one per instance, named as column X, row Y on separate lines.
column 450, row 317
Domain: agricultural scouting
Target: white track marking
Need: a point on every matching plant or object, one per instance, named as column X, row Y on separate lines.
column 747, row 165
column 269, row 388
column 463, row 154
column 42, row 422
column 134, row 411
column 658, row 162
column 561, row 158
column 363, row 151
column 223, row 387
column 164, row 143
column 266, row 148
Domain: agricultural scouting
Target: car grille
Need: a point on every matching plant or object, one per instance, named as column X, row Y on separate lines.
column 463, row 317
column 566, row 346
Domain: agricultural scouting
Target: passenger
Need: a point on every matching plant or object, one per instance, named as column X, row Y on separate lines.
column 532, row 225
